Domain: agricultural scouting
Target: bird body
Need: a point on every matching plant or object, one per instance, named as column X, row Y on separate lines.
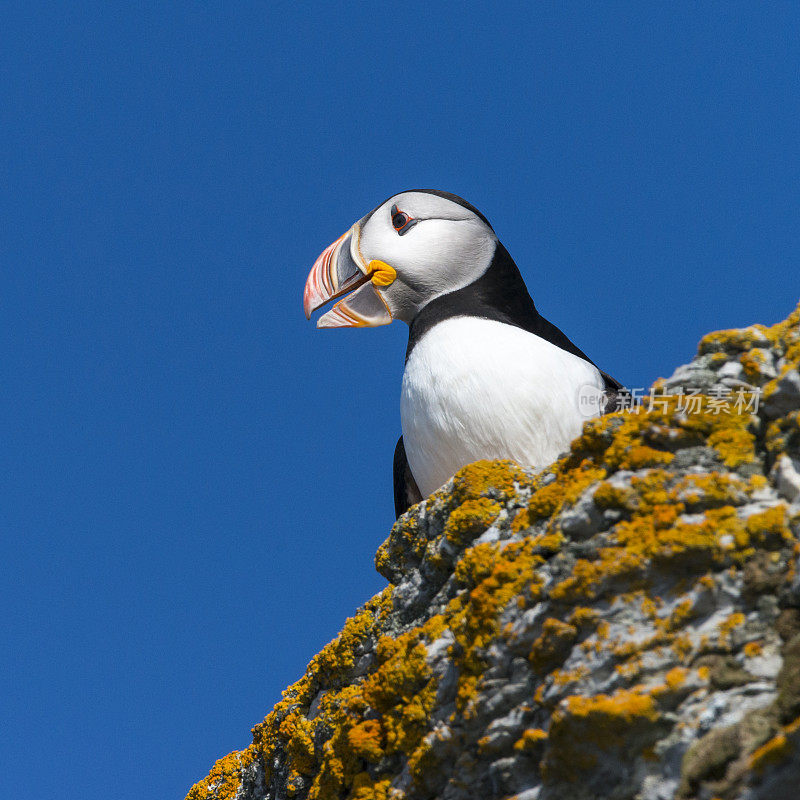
column 476, row 388
column 486, row 376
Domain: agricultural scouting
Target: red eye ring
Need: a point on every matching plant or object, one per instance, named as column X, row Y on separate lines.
column 401, row 222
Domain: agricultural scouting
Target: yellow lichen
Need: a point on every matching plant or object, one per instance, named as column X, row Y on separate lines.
column 366, row 716
column 607, row 495
column 400, row 690
column 495, row 479
column 753, row 649
column 734, row 445
column 712, row 490
column 783, row 434
column 753, row 362
column 584, row 727
column 682, row 612
column 777, row 749
column 493, row 575
column 553, row 645
column 676, row 677
column 769, row 527
column 612, row 710
column 470, row 519
column 225, row 776
column 736, row 340
column 365, row 788
column 531, row 739
column 583, row 618
column 366, row 740
column 298, row 733
column 592, row 579
column 551, row 498
column 339, row 656
column 728, row 625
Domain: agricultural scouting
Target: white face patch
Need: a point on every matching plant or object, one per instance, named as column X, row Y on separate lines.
column 446, row 248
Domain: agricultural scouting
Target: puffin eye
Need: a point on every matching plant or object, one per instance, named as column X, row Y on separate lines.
column 401, row 222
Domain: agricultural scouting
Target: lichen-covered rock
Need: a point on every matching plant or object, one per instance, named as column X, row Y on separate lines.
column 624, row 624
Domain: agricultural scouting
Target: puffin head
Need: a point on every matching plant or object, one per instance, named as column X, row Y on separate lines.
column 412, row 248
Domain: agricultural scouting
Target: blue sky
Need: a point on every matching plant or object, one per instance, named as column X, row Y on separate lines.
column 193, row 479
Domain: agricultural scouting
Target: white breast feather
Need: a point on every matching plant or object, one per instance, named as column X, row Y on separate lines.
column 476, row 388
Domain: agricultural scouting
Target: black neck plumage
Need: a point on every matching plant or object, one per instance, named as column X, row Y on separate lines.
column 499, row 294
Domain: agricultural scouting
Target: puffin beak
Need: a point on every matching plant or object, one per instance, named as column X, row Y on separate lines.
column 340, row 269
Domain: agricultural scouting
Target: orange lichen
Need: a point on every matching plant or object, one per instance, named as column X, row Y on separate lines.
column 373, row 695
column 769, row 527
column 734, row 340
column 583, row 728
column 614, row 710
column 631, row 668
column 470, row 519
column 564, row 677
column 728, row 625
column 225, row 776
column 629, row 449
column 753, row 361
column 734, row 444
column 366, row 788
column 783, row 434
column 553, row 645
column 497, row 480
column 366, row 740
column 706, row 581
column 288, row 728
column 641, row 537
column 400, row 690
column 676, row 677
column 776, row 750
column 298, row 733
column 548, row 544
column 583, row 618
column 753, row 649
column 697, row 492
column 682, row 646
column 679, row 616
column 592, row 579
column 339, row 656
column 493, row 575
column 548, row 500
column 607, row 495
column 531, row 739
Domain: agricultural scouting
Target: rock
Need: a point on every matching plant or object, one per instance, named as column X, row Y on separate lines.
column 693, row 377
column 583, row 519
column 730, row 369
column 624, row 625
column 785, row 396
column 786, row 478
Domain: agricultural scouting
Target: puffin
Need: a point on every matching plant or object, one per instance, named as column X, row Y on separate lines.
column 486, row 376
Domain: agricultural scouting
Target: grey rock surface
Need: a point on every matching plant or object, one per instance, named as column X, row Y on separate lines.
column 623, row 626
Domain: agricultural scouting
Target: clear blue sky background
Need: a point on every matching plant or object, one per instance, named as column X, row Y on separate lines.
column 193, row 480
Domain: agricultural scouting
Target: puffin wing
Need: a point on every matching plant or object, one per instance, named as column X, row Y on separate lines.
column 556, row 336
column 613, row 391
column 406, row 491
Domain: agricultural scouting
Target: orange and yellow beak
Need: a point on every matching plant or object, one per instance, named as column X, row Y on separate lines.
column 340, row 269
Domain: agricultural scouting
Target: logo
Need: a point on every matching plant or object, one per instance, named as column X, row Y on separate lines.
column 591, row 401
